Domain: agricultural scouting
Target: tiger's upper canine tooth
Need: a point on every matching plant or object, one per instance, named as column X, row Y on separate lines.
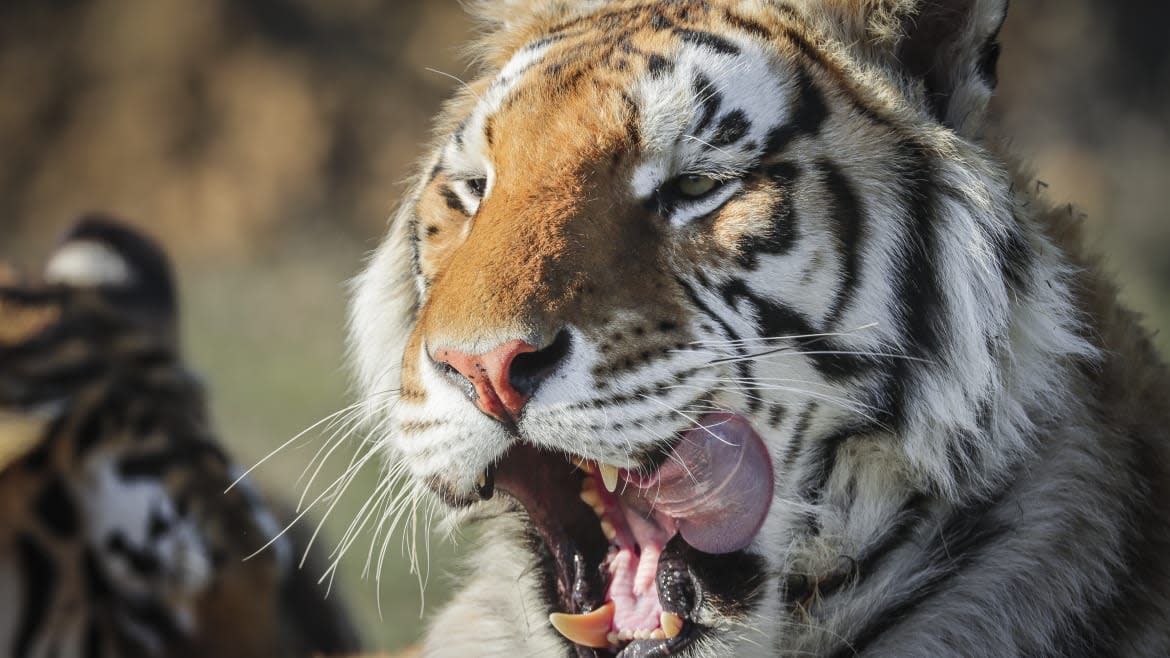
column 589, row 630
column 485, row 484
column 671, row 624
column 609, row 475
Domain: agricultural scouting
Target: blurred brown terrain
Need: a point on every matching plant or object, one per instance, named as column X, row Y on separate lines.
column 265, row 141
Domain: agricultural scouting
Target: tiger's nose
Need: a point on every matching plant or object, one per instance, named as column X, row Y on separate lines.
column 503, row 379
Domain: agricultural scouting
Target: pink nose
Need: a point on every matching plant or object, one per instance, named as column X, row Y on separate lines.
column 491, row 375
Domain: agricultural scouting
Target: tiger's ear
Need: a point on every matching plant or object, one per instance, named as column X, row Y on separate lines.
column 100, row 252
column 951, row 47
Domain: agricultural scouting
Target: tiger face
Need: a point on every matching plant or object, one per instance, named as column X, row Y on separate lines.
column 688, row 284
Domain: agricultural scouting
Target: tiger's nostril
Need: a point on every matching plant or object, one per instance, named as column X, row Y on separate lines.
column 452, row 374
column 530, row 369
column 501, row 380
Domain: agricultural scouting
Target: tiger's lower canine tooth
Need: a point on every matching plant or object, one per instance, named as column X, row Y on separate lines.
column 609, row 475
column 588, row 630
column 608, row 530
column 671, row 624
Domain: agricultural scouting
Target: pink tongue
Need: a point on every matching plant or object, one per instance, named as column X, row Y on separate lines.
column 716, row 485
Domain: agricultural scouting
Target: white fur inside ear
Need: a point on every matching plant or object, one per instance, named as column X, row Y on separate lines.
column 86, row 263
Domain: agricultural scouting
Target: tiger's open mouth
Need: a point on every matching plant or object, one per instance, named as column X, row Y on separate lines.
column 628, row 557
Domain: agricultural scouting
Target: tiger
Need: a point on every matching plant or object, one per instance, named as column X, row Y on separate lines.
column 735, row 330
column 116, row 536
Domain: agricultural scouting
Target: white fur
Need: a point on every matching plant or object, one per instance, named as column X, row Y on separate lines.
column 87, row 263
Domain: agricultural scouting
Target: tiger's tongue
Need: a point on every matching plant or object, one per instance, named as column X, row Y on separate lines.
column 716, row 485
column 715, row 490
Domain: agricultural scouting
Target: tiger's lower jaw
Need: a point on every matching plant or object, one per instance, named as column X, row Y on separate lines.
column 619, row 574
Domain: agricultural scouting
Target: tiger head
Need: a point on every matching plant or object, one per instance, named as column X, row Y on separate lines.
column 103, row 304
column 707, row 289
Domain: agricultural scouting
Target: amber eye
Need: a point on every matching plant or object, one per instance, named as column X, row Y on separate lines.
column 477, row 187
column 694, row 186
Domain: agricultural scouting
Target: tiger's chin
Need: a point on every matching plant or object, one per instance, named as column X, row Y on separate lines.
column 630, row 558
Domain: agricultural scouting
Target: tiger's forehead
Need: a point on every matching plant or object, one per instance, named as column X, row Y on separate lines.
column 661, row 84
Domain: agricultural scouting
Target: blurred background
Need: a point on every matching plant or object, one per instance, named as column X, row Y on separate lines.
column 264, row 142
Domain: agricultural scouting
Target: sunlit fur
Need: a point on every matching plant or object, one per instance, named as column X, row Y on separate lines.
column 961, row 417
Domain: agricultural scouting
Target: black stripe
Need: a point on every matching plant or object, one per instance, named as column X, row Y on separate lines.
column 783, row 230
column 489, row 132
column 543, row 41
column 54, row 507
column 657, row 66
column 743, row 366
column 632, row 127
column 710, row 100
column 731, row 128
column 960, row 541
column 142, row 561
column 809, row 115
column 795, row 446
column 96, row 583
column 813, row 54
column 776, row 414
column 790, row 12
column 157, row 618
column 848, row 226
column 39, row 576
column 183, row 454
column 452, row 199
column 917, row 286
column 708, row 40
column 90, row 432
column 822, row 461
column 37, row 377
column 1015, row 255
column 901, row 530
column 778, row 320
column 639, row 394
column 746, row 24
column 660, row 22
column 92, row 644
column 774, row 319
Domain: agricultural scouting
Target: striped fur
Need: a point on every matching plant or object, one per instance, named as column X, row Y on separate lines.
column 116, row 536
column 969, row 433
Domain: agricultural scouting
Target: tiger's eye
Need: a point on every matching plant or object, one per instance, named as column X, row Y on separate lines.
column 695, row 186
column 477, row 187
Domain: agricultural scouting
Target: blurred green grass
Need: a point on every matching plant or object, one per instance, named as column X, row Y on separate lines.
column 268, row 335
